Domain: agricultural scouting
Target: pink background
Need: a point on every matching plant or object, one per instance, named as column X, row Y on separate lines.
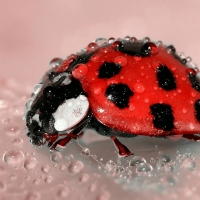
column 34, row 32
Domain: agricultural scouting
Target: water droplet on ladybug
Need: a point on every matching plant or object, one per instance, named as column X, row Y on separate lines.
column 92, row 47
column 139, row 88
column 133, row 39
column 146, row 39
column 95, row 58
column 97, row 90
column 101, row 41
column 75, row 167
column 111, row 40
column 30, row 163
column 171, row 49
column 193, row 94
column 137, row 57
column 13, row 156
column 80, row 71
column 56, row 157
column 104, row 50
column 146, row 100
column 127, row 38
column 55, row 62
column 131, row 107
column 159, row 43
column 116, row 44
column 121, row 60
column 37, row 88
column 184, row 110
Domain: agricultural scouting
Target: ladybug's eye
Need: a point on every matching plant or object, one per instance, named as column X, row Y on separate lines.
column 49, row 93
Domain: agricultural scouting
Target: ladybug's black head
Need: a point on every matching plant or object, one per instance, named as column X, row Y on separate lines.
column 53, row 105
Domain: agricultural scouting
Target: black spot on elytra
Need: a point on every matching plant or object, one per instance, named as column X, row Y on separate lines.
column 194, row 82
column 119, row 94
column 108, row 70
column 197, row 109
column 165, row 77
column 134, row 48
column 163, row 116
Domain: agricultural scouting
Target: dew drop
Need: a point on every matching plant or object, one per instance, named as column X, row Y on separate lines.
column 84, row 178
column 165, row 158
column 110, row 166
column 111, row 40
column 37, row 88
column 18, row 142
column 136, row 160
column 45, row 168
column 137, row 57
column 62, row 167
column 85, row 152
column 33, row 196
column 127, row 38
column 104, row 50
column 80, row 71
column 63, row 192
column 143, row 168
column 175, row 137
column 189, row 164
column 92, row 47
column 55, row 62
column 36, row 181
column 133, row 39
column 184, row 110
column 92, row 188
column 139, row 88
column 120, row 60
column 75, row 167
column 171, row 49
column 3, row 186
column 95, row 58
column 56, row 157
column 97, row 90
column 101, row 41
column 69, row 157
column 48, row 179
column 13, row 156
column 152, row 160
column 13, row 176
column 30, row 163
column 146, row 39
column 12, row 129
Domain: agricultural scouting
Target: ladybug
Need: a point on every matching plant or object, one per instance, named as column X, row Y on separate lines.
column 120, row 88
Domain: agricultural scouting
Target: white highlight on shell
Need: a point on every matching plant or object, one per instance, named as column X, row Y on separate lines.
column 70, row 113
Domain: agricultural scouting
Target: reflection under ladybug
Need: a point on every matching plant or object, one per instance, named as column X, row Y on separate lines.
column 121, row 88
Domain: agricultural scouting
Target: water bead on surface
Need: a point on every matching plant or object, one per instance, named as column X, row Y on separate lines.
column 92, row 47
column 136, row 160
column 144, row 168
column 48, row 179
column 85, row 152
column 18, row 142
column 80, row 71
column 30, row 163
column 56, row 157
column 12, row 129
column 63, row 192
column 120, row 60
column 139, row 88
column 101, row 41
column 75, row 167
column 13, row 156
column 84, row 177
column 45, row 168
column 55, row 62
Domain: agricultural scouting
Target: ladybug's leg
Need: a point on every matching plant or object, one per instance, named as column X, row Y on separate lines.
column 123, row 150
column 192, row 137
column 74, row 134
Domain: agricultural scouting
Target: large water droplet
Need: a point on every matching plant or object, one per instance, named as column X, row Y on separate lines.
column 92, row 47
column 55, row 62
column 143, row 168
column 30, row 163
column 13, row 156
column 56, row 157
column 136, row 160
column 110, row 166
column 12, row 129
column 101, row 41
column 75, row 167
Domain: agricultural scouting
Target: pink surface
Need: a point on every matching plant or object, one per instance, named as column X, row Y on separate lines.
column 31, row 34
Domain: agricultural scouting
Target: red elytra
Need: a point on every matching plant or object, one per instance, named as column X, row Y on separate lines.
column 140, row 76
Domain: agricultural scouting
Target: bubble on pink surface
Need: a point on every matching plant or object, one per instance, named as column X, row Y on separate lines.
column 63, row 192
column 13, row 156
column 56, row 157
column 62, row 167
column 101, row 41
column 36, row 181
column 75, row 167
column 103, row 196
column 45, row 168
column 136, row 160
column 33, row 196
column 13, row 176
column 144, row 168
column 30, row 163
column 12, row 129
